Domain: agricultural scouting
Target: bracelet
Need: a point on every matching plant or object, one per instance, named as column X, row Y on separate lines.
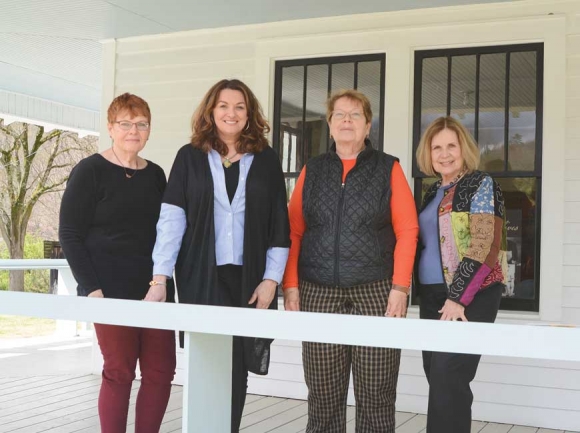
column 405, row 291
column 156, row 283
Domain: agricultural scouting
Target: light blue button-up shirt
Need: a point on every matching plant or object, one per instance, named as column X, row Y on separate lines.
column 229, row 226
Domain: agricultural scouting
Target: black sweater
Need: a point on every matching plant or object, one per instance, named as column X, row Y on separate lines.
column 107, row 226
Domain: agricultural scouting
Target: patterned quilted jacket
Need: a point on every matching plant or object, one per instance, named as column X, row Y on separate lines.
column 472, row 235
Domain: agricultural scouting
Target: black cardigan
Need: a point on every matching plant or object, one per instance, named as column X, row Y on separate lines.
column 190, row 187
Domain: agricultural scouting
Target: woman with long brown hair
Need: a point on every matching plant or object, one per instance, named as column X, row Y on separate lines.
column 224, row 220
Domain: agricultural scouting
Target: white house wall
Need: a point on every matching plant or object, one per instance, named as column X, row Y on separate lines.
column 173, row 71
column 571, row 279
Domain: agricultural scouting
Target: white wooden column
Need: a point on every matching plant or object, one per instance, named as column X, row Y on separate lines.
column 207, row 389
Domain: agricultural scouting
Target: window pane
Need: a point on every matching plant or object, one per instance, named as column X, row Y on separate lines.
column 289, row 147
column 492, row 70
column 342, row 76
column 301, row 131
column 433, row 90
column 507, row 107
column 369, row 76
column 291, row 118
column 522, row 115
column 423, row 187
column 520, row 200
column 463, row 69
column 316, row 129
column 290, row 184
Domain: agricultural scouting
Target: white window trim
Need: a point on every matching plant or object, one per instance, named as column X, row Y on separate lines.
column 399, row 46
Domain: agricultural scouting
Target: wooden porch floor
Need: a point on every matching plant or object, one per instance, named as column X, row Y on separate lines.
column 66, row 404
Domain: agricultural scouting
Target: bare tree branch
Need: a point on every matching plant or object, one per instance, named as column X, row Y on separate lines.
column 33, row 163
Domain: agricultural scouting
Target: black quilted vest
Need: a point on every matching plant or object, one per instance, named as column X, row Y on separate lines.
column 349, row 238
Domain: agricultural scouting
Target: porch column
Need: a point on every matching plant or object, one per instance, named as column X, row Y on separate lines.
column 207, row 387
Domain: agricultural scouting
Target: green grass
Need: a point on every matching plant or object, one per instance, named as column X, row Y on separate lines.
column 20, row 326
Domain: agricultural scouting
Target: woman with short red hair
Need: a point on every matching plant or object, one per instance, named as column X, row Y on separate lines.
column 107, row 230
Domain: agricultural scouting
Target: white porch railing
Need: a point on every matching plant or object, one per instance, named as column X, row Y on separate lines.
column 66, row 284
column 207, row 395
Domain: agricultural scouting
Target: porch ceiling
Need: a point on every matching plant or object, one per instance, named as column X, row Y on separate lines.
column 54, row 44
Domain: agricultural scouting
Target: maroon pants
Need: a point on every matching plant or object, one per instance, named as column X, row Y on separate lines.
column 121, row 347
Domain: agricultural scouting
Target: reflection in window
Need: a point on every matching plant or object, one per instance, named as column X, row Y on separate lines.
column 368, row 72
column 433, row 90
column 289, row 148
column 496, row 93
column 302, row 88
column 290, row 130
column 522, row 111
column 492, row 102
column 520, row 201
column 290, row 184
column 462, row 107
column 316, row 129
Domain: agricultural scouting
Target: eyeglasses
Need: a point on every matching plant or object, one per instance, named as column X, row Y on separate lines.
column 125, row 125
column 354, row 115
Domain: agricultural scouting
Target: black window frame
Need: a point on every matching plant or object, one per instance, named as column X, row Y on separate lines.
column 329, row 61
column 506, row 303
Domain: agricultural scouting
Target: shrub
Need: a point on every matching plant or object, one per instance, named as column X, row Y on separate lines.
column 34, row 280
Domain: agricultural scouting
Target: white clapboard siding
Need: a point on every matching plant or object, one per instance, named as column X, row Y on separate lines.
column 572, row 296
column 192, row 88
column 571, row 256
column 173, row 72
column 572, row 188
column 183, row 72
column 572, row 212
column 571, row 272
column 186, row 56
column 573, row 144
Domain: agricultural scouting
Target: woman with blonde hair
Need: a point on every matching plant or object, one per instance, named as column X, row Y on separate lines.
column 461, row 264
column 224, row 220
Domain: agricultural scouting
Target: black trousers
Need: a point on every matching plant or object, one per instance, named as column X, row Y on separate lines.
column 229, row 278
column 450, row 374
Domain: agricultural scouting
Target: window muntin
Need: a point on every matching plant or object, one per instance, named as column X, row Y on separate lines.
column 496, row 92
column 301, row 89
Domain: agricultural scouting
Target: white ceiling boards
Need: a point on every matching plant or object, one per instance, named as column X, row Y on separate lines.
column 50, row 48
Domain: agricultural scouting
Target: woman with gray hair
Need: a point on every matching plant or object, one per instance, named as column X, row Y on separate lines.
column 353, row 227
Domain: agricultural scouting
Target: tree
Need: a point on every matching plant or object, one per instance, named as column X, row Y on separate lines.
column 34, row 162
column 517, row 140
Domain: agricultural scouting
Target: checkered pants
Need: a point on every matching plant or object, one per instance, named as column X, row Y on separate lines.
column 327, row 366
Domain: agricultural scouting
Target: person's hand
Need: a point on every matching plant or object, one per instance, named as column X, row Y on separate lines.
column 292, row 299
column 96, row 294
column 397, row 303
column 157, row 293
column 264, row 294
column 452, row 311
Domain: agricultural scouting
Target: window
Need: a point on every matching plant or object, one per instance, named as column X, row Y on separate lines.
column 301, row 89
column 496, row 92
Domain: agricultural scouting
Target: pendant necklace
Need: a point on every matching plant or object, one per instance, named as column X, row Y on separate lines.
column 227, row 160
column 127, row 175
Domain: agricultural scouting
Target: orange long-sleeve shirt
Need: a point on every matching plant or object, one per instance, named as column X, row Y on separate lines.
column 404, row 220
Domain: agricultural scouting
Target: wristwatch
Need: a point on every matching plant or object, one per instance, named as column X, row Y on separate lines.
column 156, row 283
